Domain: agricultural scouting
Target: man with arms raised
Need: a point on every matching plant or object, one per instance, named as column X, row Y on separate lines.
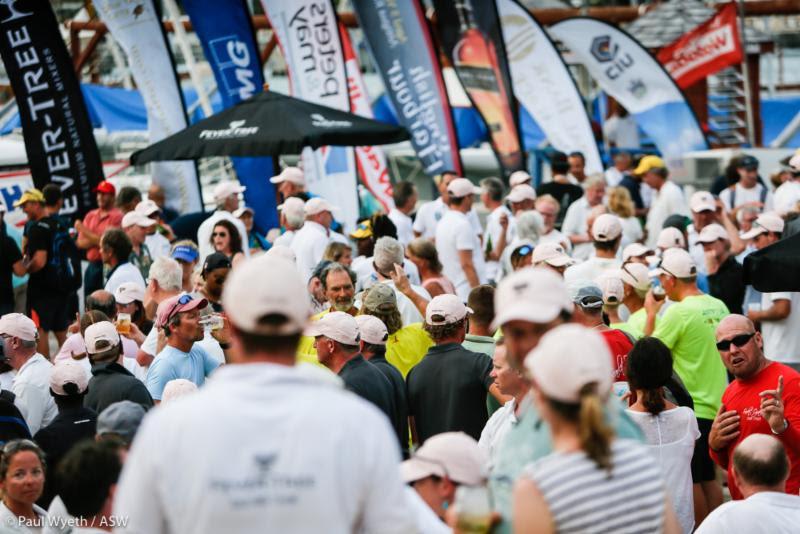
column 262, row 462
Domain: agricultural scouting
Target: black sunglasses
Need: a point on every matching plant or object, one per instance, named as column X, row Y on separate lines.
column 740, row 341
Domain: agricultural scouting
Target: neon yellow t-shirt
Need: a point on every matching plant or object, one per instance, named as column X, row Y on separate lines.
column 404, row 349
column 688, row 329
column 635, row 324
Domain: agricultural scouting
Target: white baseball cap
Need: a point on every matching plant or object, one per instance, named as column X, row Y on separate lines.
column 317, row 205
column 338, row 326
column 250, row 295
column 634, row 250
column 702, row 201
column 18, row 325
column 606, row 227
column 129, row 292
column 636, row 275
column 461, row 187
column 551, row 253
column 519, row 178
column 290, row 174
column 147, row 207
column 567, row 358
column 242, row 210
column 454, row 455
column 611, row 285
column 293, row 206
column 137, row 218
column 227, row 188
column 766, row 222
column 676, row 262
column 97, row 332
column 372, row 329
column 520, row 193
column 533, row 294
column 670, row 237
column 68, row 372
column 449, row 308
column 176, row 388
column 712, row 232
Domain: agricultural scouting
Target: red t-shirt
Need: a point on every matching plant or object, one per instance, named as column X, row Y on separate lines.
column 98, row 222
column 620, row 345
column 742, row 396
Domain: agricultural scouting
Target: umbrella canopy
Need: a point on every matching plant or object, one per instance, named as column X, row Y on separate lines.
column 270, row 124
column 775, row 268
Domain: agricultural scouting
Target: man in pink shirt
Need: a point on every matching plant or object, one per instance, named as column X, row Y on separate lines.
column 91, row 228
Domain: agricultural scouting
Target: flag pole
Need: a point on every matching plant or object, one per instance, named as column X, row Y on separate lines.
column 748, row 104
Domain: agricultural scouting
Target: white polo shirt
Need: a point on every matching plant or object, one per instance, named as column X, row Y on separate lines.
column 309, row 245
column 32, row 389
column 264, row 445
column 204, row 233
column 493, row 232
column 404, row 225
column 158, row 245
column 782, row 338
column 765, row 511
column 669, row 200
column 453, row 235
column 430, row 213
column 285, row 239
column 496, row 429
column 127, row 272
column 591, row 269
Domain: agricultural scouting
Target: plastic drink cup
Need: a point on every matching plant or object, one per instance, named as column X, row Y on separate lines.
column 473, row 509
column 124, row 323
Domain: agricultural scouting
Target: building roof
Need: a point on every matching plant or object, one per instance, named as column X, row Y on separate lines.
column 668, row 21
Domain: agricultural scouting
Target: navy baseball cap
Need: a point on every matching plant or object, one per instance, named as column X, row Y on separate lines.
column 185, row 253
column 748, row 162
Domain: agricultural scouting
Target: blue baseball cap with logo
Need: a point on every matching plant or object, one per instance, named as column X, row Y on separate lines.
column 185, row 253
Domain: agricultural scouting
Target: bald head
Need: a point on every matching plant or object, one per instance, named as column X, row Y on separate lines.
column 102, row 300
column 760, row 464
column 734, row 324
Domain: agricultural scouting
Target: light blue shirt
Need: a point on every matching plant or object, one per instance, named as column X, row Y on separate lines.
column 172, row 363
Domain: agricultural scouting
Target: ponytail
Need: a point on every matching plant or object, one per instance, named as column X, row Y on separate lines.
column 595, row 434
column 653, row 400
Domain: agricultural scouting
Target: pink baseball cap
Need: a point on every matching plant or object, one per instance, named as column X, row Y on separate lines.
column 567, row 358
column 177, row 304
column 68, row 372
column 18, row 325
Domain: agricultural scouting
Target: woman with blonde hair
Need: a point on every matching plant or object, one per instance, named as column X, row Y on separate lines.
column 592, row 481
column 620, row 204
column 422, row 253
column 339, row 253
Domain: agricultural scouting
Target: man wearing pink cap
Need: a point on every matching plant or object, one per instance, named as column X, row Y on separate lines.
column 447, row 390
column 94, row 223
column 179, row 317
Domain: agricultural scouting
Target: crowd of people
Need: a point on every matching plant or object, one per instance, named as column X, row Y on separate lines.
column 581, row 355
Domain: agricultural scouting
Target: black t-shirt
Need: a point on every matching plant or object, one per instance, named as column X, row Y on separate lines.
column 399, row 394
column 635, row 189
column 727, row 284
column 39, row 236
column 9, row 255
column 566, row 194
column 368, row 382
column 446, row 391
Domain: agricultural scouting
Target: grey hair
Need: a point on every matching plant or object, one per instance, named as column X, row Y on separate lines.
column 27, row 343
column 494, row 187
column 386, row 253
column 295, row 220
column 593, row 181
column 168, row 273
column 529, row 225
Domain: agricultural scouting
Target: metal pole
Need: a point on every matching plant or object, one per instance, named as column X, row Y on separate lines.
column 174, row 15
column 746, row 75
column 787, row 133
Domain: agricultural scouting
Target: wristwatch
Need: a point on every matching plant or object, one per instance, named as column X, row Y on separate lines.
column 785, row 426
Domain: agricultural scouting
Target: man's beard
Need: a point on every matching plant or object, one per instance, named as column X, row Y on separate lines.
column 342, row 305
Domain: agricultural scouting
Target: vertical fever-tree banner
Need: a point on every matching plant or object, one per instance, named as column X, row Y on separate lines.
column 544, row 86
column 136, row 26
column 400, row 42
column 308, row 35
column 370, row 159
column 472, row 39
column 624, row 69
column 229, row 45
column 58, row 135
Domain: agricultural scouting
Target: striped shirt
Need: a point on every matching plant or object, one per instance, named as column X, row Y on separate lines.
column 583, row 498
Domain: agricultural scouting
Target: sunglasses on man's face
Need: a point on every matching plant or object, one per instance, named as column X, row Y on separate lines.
column 740, row 341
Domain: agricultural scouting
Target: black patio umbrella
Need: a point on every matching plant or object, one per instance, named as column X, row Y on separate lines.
column 270, row 124
column 776, row 267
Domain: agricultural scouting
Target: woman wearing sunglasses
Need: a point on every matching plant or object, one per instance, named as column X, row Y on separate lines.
column 226, row 240
column 22, row 469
